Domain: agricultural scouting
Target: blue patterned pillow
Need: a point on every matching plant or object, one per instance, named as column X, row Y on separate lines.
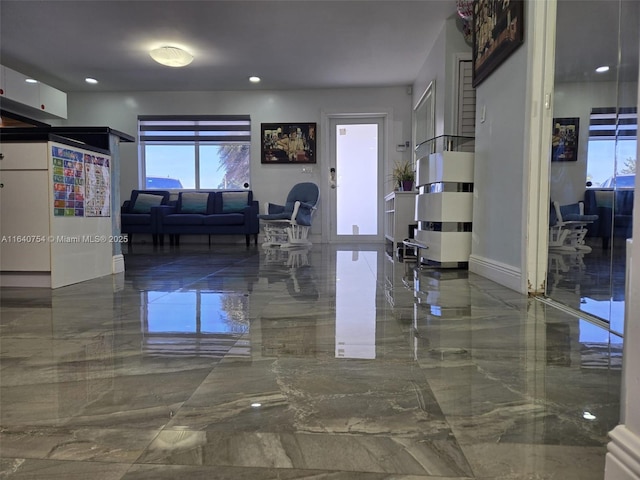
column 144, row 202
column 194, row 202
column 234, row 201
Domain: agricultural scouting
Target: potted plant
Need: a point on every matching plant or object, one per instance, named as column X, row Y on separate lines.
column 403, row 175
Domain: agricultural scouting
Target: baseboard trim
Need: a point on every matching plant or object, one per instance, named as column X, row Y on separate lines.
column 501, row 273
column 117, row 265
column 623, row 456
column 25, row 279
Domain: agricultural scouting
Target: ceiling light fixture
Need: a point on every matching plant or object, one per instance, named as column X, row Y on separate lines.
column 90, row 80
column 602, row 69
column 171, row 56
column 31, row 80
column 254, row 79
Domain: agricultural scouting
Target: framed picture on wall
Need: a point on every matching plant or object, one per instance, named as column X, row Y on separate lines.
column 564, row 140
column 498, row 30
column 288, row 143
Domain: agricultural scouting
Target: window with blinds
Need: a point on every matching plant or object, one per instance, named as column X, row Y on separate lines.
column 611, row 154
column 194, row 151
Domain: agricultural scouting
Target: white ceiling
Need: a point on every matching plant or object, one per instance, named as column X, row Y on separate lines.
column 294, row 44
column 291, row 44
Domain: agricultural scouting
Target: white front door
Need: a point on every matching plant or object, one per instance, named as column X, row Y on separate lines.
column 356, row 163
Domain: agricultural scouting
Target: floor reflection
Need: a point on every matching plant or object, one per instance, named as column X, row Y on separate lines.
column 592, row 282
column 329, row 362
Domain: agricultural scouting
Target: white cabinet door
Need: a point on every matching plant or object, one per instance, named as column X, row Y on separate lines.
column 3, row 82
column 23, row 156
column 53, row 101
column 24, row 209
column 18, row 90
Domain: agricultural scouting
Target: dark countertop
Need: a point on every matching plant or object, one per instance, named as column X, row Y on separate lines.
column 90, row 138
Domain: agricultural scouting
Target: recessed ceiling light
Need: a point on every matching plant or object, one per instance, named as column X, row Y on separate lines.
column 602, row 69
column 254, row 79
column 90, row 80
column 171, row 56
column 31, row 80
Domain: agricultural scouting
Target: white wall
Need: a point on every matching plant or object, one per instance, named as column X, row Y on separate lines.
column 500, row 167
column 567, row 181
column 268, row 182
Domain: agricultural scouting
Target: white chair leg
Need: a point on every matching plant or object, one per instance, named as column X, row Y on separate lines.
column 297, row 236
column 275, row 234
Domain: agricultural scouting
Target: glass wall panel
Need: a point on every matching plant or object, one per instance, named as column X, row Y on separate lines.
column 593, row 155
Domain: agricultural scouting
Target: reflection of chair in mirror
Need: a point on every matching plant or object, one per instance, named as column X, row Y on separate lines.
column 288, row 225
column 568, row 227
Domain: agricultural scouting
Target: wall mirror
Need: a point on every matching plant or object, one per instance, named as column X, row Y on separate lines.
column 424, row 116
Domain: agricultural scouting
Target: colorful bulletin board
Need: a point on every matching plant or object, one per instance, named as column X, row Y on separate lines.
column 68, row 182
column 97, row 186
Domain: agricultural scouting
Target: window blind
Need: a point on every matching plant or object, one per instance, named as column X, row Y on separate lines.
column 609, row 123
column 194, row 128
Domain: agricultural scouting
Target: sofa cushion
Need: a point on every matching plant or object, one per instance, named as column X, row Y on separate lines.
column 233, row 202
column 193, row 202
column 604, row 198
column 144, row 202
column 224, row 219
column 184, row 219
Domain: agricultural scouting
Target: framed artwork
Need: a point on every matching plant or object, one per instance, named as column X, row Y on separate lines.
column 288, row 143
column 564, row 140
column 498, row 30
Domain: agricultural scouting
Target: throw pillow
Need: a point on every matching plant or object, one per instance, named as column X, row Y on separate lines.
column 604, row 198
column 194, row 202
column 234, row 201
column 144, row 202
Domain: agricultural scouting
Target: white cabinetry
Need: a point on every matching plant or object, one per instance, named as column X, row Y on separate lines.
column 25, row 221
column 53, row 101
column 27, row 98
column 24, row 201
column 444, row 207
column 3, row 85
column 38, row 248
column 399, row 210
column 19, row 90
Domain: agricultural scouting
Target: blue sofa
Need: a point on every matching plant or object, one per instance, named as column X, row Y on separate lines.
column 210, row 213
column 615, row 213
column 140, row 214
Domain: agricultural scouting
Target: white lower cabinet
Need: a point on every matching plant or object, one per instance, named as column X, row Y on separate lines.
column 46, row 239
column 24, row 229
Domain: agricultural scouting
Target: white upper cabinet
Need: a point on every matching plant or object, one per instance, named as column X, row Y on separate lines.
column 19, row 90
column 53, row 101
column 44, row 98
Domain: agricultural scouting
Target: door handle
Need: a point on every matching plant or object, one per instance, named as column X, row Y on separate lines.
column 332, row 177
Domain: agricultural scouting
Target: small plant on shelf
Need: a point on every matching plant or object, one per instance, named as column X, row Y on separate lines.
column 403, row 176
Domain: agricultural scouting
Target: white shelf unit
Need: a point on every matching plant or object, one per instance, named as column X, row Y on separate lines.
column 444, row 207
column 399, row 211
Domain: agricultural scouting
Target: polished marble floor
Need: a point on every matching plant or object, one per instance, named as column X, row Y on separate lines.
column 332, row 363
column 592, row 281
